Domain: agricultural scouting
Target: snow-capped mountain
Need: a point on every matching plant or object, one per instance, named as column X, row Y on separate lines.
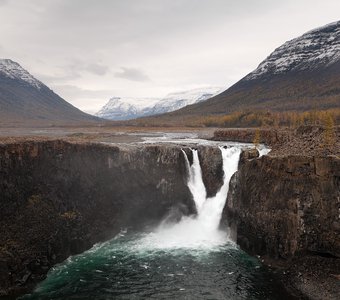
column 26, row 100
column 318, row 47
column 116, row 109
column 13, row 70
column 300, row 75
column 130, row 108
column 125, row 108
column 174, row 101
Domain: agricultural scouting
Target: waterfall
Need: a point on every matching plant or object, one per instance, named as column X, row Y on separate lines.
column 202, row 230
column 195, row 180
column 209, row 210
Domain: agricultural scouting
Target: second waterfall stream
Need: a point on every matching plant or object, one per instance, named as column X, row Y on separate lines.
column 202, row 230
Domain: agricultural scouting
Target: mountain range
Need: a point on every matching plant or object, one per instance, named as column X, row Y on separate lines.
column 130, row 108
column 302, row 74
column 24, row 99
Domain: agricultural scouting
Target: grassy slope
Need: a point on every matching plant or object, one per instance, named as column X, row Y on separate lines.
column 303, row 91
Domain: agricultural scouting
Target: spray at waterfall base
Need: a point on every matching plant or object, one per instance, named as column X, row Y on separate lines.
column 202, row 230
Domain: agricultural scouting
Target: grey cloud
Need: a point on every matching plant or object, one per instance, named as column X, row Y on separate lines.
column 97, row 69
column 72, row 71
column 3, row 2
column 72, row 91
column 132, row 74
column 57, row 78
column 118, row 22
column 76, row 67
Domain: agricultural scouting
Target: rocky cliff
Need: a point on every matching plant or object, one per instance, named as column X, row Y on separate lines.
column 286, row 208
column 286, row 205
column 59, row 198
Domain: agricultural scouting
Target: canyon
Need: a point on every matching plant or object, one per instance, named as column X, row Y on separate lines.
column 59, row 198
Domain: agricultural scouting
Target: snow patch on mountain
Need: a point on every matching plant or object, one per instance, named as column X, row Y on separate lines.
column 130, row 108
column 174, row 101
column 318, row 47
column 13, row 70
column 125, row 108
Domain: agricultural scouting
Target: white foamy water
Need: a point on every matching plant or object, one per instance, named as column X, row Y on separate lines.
column 263, row 150
column 200, row 231
column 195, row 180
column 211, row 211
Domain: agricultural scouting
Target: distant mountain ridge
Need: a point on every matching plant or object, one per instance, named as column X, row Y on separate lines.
column 118, row 108
column 130, row 108
column 13, row 70
column 318, row 47
column 300, row 75
column 26, row 100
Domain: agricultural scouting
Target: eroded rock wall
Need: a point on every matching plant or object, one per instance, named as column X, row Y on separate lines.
column 285, row 206
column 59, row 198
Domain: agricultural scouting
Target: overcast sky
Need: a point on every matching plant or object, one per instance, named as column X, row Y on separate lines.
column 90, row 50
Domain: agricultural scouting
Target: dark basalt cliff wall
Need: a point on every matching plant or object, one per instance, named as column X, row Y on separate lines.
column 59, row 198
column 286, row 209
column 281, row 206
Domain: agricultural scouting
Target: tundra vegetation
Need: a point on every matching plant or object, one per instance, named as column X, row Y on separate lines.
column 245, row 119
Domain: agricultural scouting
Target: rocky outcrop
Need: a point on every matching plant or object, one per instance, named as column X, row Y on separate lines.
column 266, row 136
column 59, row 198
column 212, row 169
column 306, row 140
column 282, row 206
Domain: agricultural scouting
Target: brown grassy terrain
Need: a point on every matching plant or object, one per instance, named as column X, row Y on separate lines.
column 293, row 91
column 112, row 134
column 245, row 119
column 301, row 141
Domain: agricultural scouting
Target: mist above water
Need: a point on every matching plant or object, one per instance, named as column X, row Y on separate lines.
column 202, row 230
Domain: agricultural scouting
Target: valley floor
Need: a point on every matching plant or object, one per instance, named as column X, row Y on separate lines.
column 99, row 134
column 304, row 140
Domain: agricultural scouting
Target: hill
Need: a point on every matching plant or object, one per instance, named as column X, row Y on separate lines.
column 301, row 75
column 24, row 100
